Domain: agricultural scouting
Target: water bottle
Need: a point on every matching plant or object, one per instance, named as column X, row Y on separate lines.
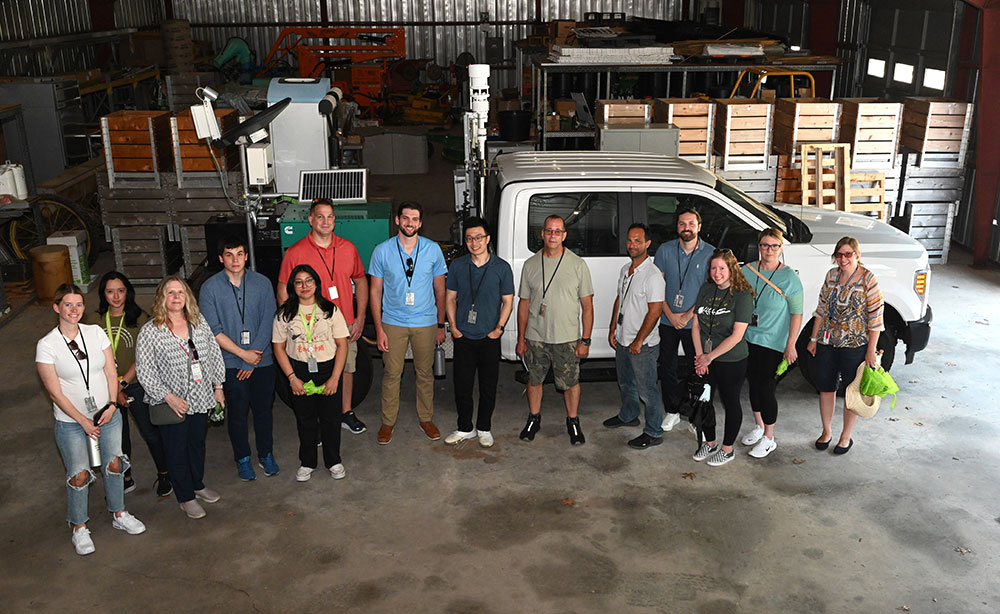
column 439, row 366
column 93, row 445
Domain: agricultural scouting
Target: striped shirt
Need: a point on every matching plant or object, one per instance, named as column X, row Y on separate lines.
column 856, row 309
column 161, row 365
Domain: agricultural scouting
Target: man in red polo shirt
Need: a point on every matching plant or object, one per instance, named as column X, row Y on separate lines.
column 338, row 263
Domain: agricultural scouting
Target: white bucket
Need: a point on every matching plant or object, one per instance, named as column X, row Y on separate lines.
column 12, row 180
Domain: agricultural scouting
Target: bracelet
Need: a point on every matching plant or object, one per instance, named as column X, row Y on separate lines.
column 290, row 375
column 813, row 339
column 218, row 387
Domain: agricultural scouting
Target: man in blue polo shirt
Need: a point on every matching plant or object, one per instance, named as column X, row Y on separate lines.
column 407, row 305
column 479, row 300
column 239, row 306
column 684, row 264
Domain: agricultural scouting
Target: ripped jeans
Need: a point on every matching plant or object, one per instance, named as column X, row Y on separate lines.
column 72, row 442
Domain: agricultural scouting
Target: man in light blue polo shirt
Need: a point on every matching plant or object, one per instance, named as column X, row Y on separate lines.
column 407, row 304
column 684, row 264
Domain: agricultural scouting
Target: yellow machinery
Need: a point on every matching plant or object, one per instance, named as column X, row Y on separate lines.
column 761, row 74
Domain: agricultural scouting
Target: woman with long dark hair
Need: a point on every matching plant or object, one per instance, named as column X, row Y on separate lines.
column 310, row 346
column 121, row 317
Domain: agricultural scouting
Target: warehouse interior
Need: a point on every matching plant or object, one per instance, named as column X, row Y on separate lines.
column 137, row 133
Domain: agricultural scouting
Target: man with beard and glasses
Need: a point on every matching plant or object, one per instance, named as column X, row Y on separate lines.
column 684, row 264
column 407, row 304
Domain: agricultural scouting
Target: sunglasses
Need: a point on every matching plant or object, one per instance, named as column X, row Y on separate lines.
column 843, row 254
column 73, row 347
column 409, row 267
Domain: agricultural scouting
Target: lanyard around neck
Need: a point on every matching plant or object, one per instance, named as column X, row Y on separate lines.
column 308, row 324
column 545, row 287
column 838, row 295
column 485, row 268
column 114, row 338
column 242, row 308
column 86, row 375
column 408, row 272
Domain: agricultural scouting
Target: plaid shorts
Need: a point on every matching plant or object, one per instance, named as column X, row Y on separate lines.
column 560, row 356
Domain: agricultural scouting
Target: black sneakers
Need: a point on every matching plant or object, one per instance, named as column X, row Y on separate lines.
column 614, row 422
column 352, row 423
column 575, row 432
column 129, row 483
column 531, row 427
column 644, row 441
column 163, row 486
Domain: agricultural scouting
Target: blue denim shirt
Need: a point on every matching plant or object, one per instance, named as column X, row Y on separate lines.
column 220, row 302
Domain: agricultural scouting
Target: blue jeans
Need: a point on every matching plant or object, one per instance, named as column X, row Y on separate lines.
column 256, row 394
column 637, row 380
column 72, row 442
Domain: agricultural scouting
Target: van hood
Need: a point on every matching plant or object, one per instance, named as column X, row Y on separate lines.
column 877, row 239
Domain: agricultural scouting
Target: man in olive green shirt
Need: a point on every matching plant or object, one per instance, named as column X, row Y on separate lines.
column 555, row 291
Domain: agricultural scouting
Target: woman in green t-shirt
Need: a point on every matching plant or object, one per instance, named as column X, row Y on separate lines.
column 723, row 310
column 121, row 318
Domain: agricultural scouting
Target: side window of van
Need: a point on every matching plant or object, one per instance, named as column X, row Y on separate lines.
column 719, row 226
column 592, row 221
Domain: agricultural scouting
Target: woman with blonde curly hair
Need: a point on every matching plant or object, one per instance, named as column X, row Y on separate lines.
column 178, row 362
column 722, row 310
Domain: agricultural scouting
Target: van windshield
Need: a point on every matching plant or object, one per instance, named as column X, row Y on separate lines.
column 753, row 207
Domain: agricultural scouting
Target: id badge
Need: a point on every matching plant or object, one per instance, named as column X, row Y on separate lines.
column 410, row 299
column 826, row 338
column 333, row 293
column 679, row 301
column 91, row 405
column 707, row 346
column 621, row 318
column 196, row 374
column 313, row 366
column 471, row 319
column 541, row 309
column 245, row 337
column 753, row 320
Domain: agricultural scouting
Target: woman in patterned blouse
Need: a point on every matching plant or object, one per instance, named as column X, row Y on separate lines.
column 176, row 342
column 846, row 326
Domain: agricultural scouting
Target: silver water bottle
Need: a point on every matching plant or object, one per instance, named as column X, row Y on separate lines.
column 93, row 445
column 439, row 366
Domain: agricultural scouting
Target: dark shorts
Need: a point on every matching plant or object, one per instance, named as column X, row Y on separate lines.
column 560, row 356
column 834, row 365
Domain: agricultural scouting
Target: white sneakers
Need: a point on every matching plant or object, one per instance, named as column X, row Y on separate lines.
column 82, row 542
column 459, row 436
column 753, row 436
column 338, row 472
column 485, row 439
column 764, row 447
column 670, row 421
column 128, row 523
column 303, row 474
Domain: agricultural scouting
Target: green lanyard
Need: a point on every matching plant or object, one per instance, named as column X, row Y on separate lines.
column 308, row 326
column 117, row 336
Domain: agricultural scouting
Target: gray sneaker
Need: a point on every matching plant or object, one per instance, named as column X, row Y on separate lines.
column 721, row 458
column 704, row 452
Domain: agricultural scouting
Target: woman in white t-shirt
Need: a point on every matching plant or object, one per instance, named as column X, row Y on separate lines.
column 77, row 368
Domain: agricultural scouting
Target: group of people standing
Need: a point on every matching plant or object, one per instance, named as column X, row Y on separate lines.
column 168, row 370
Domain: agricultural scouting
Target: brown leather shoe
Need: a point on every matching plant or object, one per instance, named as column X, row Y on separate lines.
column 384, row 434
column 430, row 430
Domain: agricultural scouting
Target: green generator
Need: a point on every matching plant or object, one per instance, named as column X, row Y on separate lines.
column 366, row 225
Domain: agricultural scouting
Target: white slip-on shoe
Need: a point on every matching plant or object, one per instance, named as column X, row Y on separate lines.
column 753, row 436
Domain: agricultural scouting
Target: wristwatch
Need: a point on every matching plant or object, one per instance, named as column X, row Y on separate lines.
column 124, row 384
column 500, row 327
column 440, row 324
column 585, row 341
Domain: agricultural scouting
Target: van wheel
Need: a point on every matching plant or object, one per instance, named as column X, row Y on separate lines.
column 362, row 379
column 807, row 363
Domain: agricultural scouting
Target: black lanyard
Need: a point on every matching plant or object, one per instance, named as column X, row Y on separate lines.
column 329, row 269
column 757, row 290
column 715, row 308
column 472, row 265
column 679, row 252
column 545, row 288
column 86, row 376
column 241, row 308
column 630, row 278
column 408, row 272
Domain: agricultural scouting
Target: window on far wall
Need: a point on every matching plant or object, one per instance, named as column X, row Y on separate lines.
column 876, row 68
column 934, row 79
column 902, row 72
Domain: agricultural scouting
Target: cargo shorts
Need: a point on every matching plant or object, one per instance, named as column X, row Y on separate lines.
column 560, row 356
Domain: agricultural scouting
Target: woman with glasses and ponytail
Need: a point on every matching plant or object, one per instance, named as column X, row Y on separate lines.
column 846, row 327
column 771, row 335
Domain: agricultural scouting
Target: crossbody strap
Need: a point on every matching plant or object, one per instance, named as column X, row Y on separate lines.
column 768, row 281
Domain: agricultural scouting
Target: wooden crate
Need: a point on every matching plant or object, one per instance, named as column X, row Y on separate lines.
column 145, row 254
column 169, row 206
column 930, row 223
column 696, row 119
column 871, row 126
column 623, row 111
column 938, row 129
column 867, row 194
column 757, row 184
column 743, row 134
column 75, row 183
column 193, row 246
column 804, row 120
column 137, row 141
column 192, row 153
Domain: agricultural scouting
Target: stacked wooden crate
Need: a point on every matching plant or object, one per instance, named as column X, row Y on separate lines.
column 192, row 154
column 623, row 112
column 743, row 134
column 938, row 129
column 695, row 118
column 144, row 253
column 138, row 141
column 871, row 127
column 804, row 120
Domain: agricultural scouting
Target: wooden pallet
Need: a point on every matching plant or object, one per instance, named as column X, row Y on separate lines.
column 145, row 254
column 743, row 134
column 825, row 175
column 867, row 193
column 804, row 120
column 871, row 127
column 938, row 129
column 695, row 118
column 169, row 206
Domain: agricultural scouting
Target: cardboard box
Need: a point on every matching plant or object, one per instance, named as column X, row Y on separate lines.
column 564, row 106
column 76, row 241
column 562, row 28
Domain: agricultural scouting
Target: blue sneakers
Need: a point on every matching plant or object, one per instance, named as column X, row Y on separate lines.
column 268, row 464
column 245, row 470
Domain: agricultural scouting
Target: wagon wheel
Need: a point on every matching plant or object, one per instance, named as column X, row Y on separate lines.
column 57, row 214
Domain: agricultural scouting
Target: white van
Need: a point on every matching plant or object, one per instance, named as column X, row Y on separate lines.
column 600, row 194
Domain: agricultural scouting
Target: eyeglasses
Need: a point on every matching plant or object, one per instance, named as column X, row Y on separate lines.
column 843, row 254
column 770, row 246
column 475, row 239
column 80, row 354
column 302, row 283
column 553, row 231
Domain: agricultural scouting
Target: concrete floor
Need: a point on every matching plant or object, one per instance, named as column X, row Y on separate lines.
column 418, row 526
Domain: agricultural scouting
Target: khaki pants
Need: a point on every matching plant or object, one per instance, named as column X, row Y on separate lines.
column 422, row 341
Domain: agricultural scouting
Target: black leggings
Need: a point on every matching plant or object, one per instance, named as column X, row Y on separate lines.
column 760, row 373
column 726, row 379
